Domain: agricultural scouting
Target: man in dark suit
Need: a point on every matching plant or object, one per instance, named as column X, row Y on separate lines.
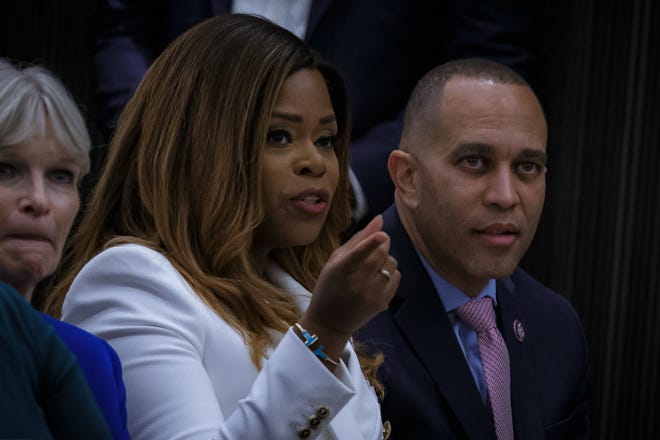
column 382, row 47
column 470, row 186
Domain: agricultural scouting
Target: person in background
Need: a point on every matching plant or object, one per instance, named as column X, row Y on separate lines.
column 44, row 394
column 382, row 47
column 44, row 147
column 209, row 255
column 474, row 346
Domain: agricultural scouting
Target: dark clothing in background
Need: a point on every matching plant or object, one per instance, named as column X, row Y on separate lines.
column 43, row 393
column 382, row 47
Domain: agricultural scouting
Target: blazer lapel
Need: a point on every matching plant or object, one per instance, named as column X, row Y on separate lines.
column 526, row 416
column 421, row 317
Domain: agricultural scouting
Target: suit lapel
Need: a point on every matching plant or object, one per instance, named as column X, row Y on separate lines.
column 526, row 417
column 423, row 321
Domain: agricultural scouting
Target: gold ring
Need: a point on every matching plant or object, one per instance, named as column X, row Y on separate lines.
column 386, row 273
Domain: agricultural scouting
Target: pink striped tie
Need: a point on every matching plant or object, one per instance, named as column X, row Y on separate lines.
column 479, row 315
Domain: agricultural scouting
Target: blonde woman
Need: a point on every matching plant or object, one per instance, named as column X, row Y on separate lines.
column 44, row 153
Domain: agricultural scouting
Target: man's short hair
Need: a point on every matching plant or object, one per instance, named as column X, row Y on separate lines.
column 425, row 98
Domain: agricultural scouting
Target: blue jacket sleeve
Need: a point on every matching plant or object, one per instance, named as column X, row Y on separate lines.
column 102, row 369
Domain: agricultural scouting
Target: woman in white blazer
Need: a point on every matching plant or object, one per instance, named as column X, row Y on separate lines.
column 209, row 255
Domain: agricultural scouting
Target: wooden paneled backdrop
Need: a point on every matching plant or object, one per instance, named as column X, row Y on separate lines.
column 599, row 239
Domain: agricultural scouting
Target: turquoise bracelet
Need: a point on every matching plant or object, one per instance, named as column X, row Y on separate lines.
column 310, row 340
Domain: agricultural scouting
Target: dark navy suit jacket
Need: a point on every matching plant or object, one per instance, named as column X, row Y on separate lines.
column 430, row 392
column 102, row 369
column 382, row 47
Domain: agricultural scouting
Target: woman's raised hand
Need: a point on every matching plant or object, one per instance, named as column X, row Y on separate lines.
column 357, row 282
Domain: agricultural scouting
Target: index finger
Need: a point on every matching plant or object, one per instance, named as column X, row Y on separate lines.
column 373, row 226
column 356, row 256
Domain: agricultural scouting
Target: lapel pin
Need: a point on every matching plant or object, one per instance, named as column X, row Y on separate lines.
column 519, row 330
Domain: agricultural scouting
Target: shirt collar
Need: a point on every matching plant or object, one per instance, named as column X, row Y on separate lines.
column 451, row 296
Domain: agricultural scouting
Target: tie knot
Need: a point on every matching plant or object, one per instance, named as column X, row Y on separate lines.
column 478, row 314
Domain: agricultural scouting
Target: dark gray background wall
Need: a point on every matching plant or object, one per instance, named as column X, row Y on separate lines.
column 599, row 240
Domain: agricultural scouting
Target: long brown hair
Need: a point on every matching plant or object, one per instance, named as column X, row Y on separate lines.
column 183, row 172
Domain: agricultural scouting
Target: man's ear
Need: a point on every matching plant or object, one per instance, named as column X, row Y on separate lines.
column 403, row 168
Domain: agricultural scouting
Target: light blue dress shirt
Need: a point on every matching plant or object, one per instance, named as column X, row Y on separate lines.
column 452, row 298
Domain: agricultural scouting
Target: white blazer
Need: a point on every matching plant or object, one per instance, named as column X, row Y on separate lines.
column 188, row 373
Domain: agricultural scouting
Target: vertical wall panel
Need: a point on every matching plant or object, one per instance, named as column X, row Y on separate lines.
column 599, row 243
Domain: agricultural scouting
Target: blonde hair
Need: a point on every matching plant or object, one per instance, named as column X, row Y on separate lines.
column 33, row 101
column 183, row 173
